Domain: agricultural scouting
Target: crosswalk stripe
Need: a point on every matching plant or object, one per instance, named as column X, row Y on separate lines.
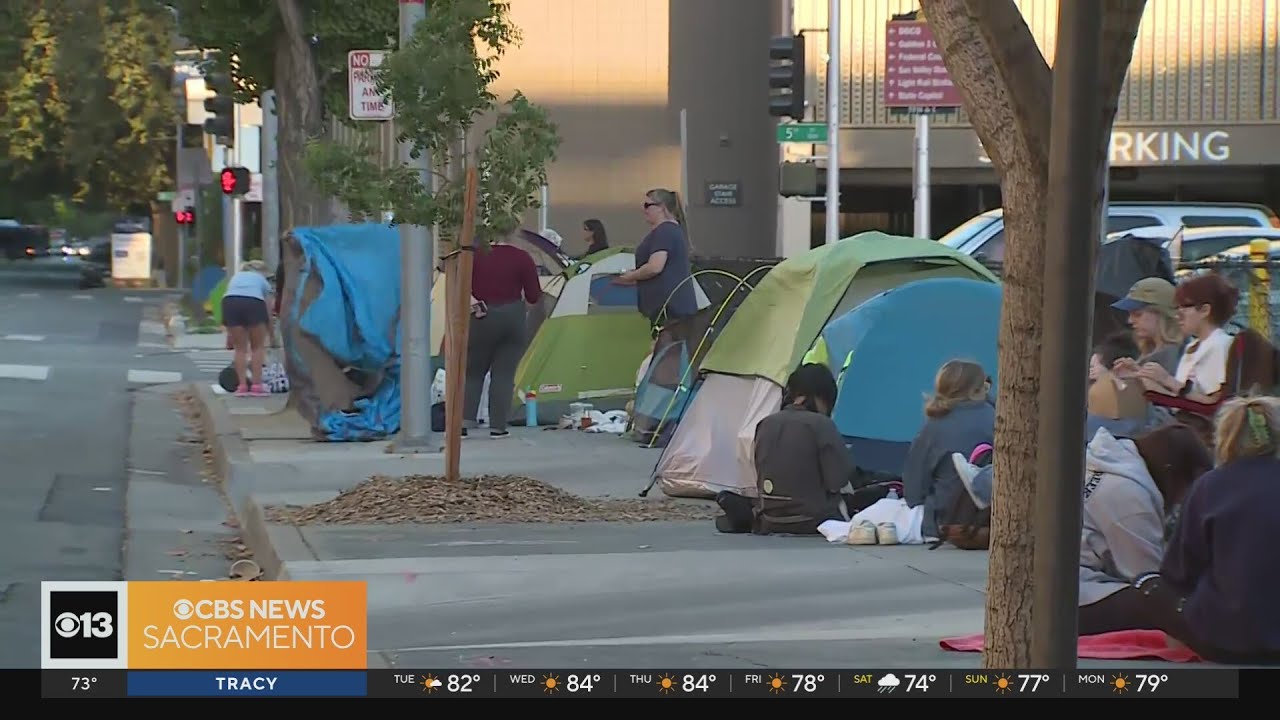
column 29, row 296
column 132, row 299
column 25, row 338
column 81, row 297
column 24, row 372
column 153, row 377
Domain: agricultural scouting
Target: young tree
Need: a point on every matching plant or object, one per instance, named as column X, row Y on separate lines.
column 1007, row 86
column 299, row 49
column 441, row 86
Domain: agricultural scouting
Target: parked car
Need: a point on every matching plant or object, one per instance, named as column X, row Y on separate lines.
column 983, row 236
column 1202, row 244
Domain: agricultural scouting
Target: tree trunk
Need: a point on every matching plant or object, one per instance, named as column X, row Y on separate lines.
column 301, row 119
column 1006, row 85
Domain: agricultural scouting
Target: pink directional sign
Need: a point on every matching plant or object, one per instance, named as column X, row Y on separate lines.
column 915, row 76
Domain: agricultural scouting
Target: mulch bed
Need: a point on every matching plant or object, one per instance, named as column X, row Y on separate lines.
column 506, row 499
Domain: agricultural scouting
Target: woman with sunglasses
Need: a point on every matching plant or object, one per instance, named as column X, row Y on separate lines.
column 664, row 288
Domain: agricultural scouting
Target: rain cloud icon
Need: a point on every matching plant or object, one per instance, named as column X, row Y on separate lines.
column 888, row 683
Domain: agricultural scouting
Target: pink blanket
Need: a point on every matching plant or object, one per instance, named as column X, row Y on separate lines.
column 1121, row 645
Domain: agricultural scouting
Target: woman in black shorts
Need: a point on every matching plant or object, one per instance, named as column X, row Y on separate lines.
column 247, row 318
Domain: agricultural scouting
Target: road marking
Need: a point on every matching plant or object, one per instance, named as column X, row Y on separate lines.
column 81, row 297
column 132, row 299
column 154, row 377
column 154, row 345
column 25, row 338
column 29, row 295
column 24, row 372
column 151, row 327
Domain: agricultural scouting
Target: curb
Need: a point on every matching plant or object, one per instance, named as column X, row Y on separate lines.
column 229, row 451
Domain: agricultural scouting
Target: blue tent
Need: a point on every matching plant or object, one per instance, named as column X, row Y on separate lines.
column 896, row 342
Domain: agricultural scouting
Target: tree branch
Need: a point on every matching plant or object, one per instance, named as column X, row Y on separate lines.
column 1021, row 66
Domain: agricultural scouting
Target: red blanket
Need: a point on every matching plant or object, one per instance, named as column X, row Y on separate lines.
column 1121, row 645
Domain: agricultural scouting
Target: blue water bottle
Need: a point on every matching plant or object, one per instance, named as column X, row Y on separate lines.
column 531, row 409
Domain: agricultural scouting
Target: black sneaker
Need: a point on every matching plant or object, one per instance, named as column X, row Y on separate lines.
column 499, row 433
column 464, row 432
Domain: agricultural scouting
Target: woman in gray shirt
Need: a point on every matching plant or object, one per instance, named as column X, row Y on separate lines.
column 1153, row 317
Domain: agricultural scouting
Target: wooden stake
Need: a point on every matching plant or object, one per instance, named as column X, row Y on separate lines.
column 457, row 272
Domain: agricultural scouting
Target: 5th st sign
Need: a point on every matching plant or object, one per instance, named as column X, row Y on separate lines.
column 365, row 101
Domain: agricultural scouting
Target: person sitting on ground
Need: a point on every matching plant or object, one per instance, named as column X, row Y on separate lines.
column 804, row 472
column 1217, row 589
column 1205, row 304
column 1153, row 315
column 959, row 418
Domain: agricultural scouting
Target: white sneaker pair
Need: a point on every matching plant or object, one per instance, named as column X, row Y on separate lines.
column 868, row 533
column 967, row 472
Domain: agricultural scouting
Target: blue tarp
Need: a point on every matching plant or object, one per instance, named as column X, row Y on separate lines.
column 355, row 318
column 898, row 340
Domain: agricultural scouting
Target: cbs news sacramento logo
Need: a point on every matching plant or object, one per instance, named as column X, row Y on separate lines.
column 294, row 625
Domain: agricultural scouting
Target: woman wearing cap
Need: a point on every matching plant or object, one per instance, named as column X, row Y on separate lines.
column 1153, row 315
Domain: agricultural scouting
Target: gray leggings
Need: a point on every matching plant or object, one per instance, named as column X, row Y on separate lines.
column 495, row 344
column 982, row 483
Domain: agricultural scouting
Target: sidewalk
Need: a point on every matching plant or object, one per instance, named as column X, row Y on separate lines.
column 659, row 594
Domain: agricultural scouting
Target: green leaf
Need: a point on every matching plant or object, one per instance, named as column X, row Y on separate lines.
column 441, row 84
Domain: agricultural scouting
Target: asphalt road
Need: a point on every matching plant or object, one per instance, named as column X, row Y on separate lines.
column 73, row 364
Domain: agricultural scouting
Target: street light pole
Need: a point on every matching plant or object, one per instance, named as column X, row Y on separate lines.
column 833, row 122
column 1070, row 256
column 417, row 263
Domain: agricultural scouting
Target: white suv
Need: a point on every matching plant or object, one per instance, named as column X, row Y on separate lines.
column 983, row 235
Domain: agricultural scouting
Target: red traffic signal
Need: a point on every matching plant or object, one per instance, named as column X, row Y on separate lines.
column 235, row 180
column 186, row 216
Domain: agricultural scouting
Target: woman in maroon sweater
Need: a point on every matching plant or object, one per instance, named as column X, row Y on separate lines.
column 503, row 280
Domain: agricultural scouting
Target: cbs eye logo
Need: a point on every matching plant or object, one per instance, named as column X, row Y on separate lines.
column 83, row 625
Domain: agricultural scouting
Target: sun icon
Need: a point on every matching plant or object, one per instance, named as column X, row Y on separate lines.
column 552, row 682
column 777, row 684
column 1003, row 685
column 430, row 684
column 1121, row 684
column 666, row 684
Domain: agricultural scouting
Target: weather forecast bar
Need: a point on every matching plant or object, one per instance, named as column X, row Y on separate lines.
column 1162, row 683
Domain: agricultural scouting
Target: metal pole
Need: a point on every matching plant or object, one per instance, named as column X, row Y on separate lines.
column 920, row 181
column 237, row 207
column 1073, row 189
column 833, row 122
column 182, row 256
column 417, row 259
column 270, row 182
column 544, row 209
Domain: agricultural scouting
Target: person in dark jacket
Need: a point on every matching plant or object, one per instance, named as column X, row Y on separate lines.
column 1219, row 584
column 959, row 418
column 804, row 473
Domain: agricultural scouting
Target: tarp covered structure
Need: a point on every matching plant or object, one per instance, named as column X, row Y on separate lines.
column 339, row 321
column 665, row 388
column 775, row 326
column 890, row 349
column 592, row 342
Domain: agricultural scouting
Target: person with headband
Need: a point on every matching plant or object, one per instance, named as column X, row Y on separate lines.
column 1219, row 583
column 247, row 316
column 662, row 277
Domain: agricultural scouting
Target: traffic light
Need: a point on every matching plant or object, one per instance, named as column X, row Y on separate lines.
column 234, row 180
column 185, row 216
column 787, row 76
column 220, row 108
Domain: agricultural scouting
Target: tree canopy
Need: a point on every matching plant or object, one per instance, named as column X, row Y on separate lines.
column 441, row 84
column 87, row 115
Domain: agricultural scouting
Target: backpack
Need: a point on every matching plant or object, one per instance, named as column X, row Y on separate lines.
column 962, row 524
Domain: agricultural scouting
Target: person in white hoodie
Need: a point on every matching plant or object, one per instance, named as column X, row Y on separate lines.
column 1130, row 488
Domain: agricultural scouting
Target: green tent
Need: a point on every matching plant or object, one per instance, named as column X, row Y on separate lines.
column 779, row 321
column 777, row 324
column 592, row 343
column 213, row 304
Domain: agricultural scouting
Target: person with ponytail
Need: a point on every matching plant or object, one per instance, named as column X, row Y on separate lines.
column 663, row 273
column 1219, row 583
